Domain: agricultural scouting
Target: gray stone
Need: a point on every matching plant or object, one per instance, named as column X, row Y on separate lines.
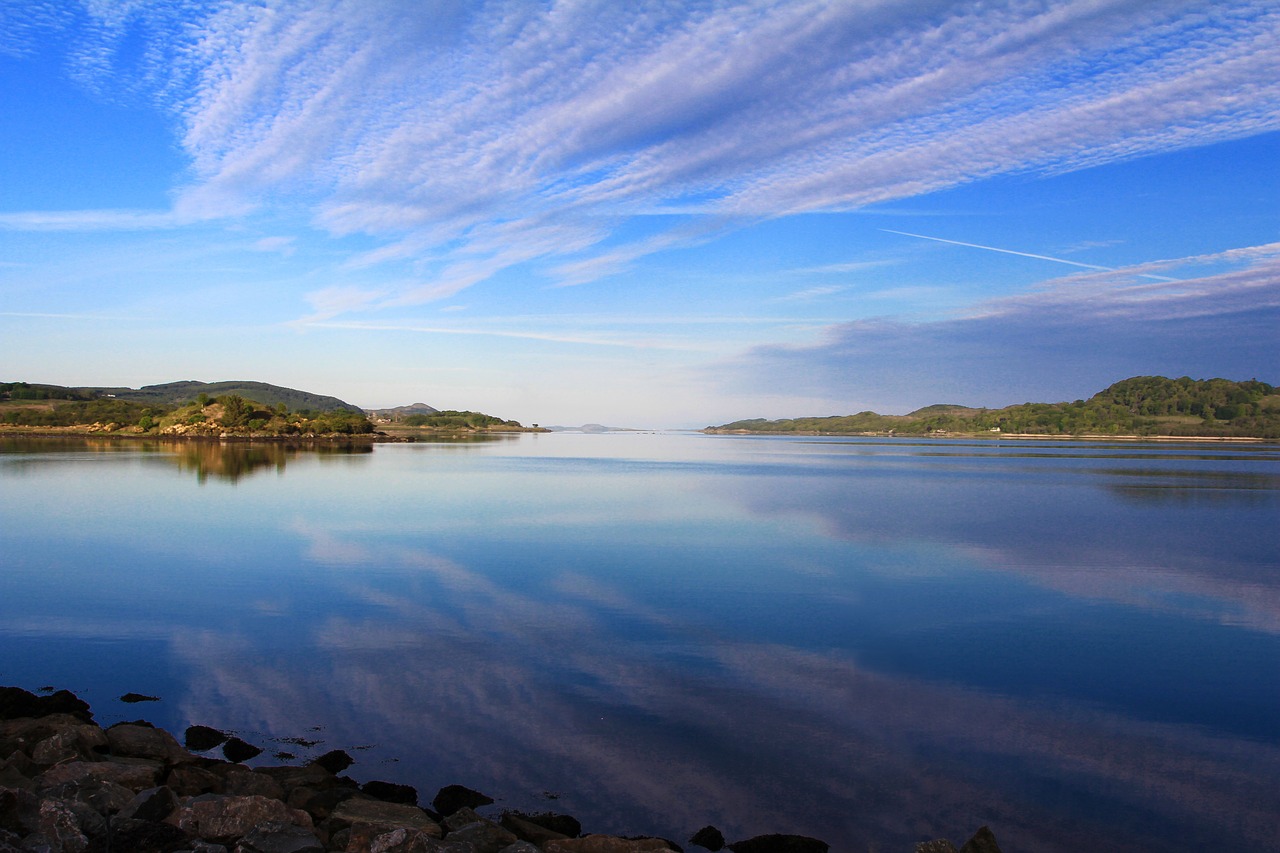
column 379, row 814
column 136, row 777
column 134, row 741
column 145, row 836
column 19, row 811
column 484, row 835
column 187, row 780
column 983, row 841
column 243, row 782
column 607, row 844
column 79, row 742
column 223, row 818
column 527, row 830
column 60, row 826
column 277, row 837
column 937, row 845
column 103, row 797
column 521, row 847
column 154, row 804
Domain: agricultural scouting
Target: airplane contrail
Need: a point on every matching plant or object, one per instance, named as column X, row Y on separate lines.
column 1022, row 254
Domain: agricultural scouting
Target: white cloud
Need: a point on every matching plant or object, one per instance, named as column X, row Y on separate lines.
column 474, row 138
column 1075, row 336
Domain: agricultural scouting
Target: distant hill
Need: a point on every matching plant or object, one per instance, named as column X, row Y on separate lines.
column 400, row 412
column 173, row 393
column 1141, row 405
column 198, row 409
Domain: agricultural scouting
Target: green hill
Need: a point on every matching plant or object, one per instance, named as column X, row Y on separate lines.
column 1142, row 405
column 173, row 393
column 181, row 408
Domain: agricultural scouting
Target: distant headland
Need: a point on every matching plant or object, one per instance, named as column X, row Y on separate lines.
column 224, row 410
column 1140, row 407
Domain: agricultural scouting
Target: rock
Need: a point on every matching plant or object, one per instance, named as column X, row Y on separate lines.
column 319, row 803
column 190, row 781
column 237, row 750
column 453, row 797
column 138, row 697
column 526, row 830
column 133, row 776
column 391, row 792
column 19, row 811
column 202, row 738
column 16, row 703
column 335, row 761
column 145, row 836
column 78, row 742
column 521, row 847
column 242, row 782
column 387, row 816
column 136, row 741
column 60, row 827
column 938, row 845
column 561, row 824
column 221, row 818
column 484, row 835
column 102, row 797
column 708, row 837
column 402, row 841
column 607, row 844
column 780, row 844
column 154, row 804
column 983, row 841
column 277, row 837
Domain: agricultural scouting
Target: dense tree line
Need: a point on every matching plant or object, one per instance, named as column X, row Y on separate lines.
column 1142, row 405
column 451, row 419
column 202, row 416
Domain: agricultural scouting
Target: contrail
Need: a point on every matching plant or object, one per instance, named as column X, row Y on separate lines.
column 1022, row 254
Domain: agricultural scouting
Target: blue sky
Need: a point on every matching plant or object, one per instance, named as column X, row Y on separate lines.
column 644, row 214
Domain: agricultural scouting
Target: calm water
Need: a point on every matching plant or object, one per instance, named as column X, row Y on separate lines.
column 870, row 641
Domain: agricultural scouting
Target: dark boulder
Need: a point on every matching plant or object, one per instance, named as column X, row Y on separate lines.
column 142, row 836
column 708, row 837
column 138, row 697
column 780, row 844
column 335, row 761
column 201, row 738
column 450, row 798
column 983, row 841
column 16, row 703
column 237, row 750
column 390, row 792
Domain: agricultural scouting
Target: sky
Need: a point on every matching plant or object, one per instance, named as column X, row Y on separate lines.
column 645, row 214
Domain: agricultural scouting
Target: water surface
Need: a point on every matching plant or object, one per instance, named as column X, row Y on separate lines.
column 872, row 641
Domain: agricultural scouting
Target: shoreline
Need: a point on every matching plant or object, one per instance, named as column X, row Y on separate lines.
column 1020, row 436
column 67, row 784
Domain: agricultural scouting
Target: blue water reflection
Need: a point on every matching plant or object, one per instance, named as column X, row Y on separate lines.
column 872, row 641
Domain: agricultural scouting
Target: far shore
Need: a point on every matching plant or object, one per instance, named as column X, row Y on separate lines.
column 996, row 436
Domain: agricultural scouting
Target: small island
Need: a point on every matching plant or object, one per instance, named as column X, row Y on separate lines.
column 1139, row 407
column 223, row 410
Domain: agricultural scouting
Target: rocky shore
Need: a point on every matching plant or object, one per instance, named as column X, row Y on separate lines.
column 69, row 786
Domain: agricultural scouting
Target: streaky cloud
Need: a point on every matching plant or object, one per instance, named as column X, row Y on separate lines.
column 464, row 137
column 1078, row 334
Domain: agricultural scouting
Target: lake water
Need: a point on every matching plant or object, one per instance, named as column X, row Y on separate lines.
column 871, row 641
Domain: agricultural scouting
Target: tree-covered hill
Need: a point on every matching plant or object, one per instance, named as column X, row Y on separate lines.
column 160, row 410
column 1142, row 405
